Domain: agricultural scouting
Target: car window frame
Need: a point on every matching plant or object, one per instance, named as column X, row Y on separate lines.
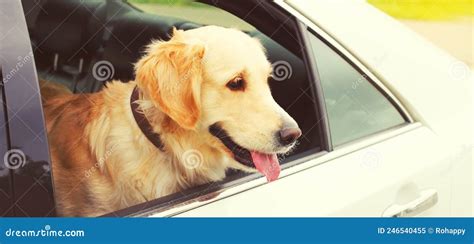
column 19, row 113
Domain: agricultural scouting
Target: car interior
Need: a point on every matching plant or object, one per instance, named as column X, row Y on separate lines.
column 68, row 37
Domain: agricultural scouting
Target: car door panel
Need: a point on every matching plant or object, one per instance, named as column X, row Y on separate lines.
column 351, row 182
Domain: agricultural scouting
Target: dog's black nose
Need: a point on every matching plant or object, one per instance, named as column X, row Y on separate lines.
column 289, row 135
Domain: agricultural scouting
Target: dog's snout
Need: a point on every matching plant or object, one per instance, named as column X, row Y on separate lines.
column 289, row 135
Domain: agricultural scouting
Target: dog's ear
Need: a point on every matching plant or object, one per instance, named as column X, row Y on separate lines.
column 170, row 74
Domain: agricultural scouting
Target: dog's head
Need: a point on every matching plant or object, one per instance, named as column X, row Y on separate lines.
column 214, row 80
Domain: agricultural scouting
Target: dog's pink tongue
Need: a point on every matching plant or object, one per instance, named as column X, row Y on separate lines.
column 267, row 164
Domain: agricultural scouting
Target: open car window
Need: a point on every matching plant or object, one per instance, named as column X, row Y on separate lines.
column 85, row 44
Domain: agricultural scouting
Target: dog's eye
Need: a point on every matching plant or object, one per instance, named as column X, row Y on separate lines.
column 237, row 84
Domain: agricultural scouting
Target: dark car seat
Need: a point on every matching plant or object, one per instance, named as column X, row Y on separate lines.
column 130, row 34
column 59, row 35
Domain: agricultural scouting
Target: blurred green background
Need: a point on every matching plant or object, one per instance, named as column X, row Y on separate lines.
column 446, row 23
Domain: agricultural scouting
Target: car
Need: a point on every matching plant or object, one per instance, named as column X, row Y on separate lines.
column 386, row 116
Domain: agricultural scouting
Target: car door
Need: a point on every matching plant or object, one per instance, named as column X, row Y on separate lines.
column 382, row 162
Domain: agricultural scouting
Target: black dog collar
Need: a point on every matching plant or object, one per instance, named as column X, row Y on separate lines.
column 143, row 122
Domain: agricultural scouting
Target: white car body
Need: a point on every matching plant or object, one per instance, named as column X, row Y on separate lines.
column 420, row 169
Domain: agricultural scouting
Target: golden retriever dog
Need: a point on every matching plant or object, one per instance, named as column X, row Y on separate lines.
column 200, row 104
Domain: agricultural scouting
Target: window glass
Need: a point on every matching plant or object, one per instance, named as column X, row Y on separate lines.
column 354, row 106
